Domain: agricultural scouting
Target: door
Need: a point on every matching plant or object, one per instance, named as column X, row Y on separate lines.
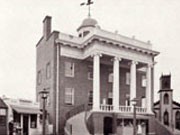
column 25, row 125
column 108, row 125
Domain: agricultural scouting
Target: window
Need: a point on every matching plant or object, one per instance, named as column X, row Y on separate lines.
column 143, row 81
column 33, row 121
column 3, row 112
column 85, row 33
column 90, row 95
column 127, row 102
column 90, row 72
column 143, row 102
column 127, row 78
column 110, row 78
column 69, row 96
column 90, row 75
column 39, row 77
column 69, row 69
column 110, row 98
column 166, row 98
column 2, row 120
column 177, row 120
column 166, row 118
column 2, row 117
column 48, row 70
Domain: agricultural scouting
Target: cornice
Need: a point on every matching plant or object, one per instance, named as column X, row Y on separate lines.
column 95, row 38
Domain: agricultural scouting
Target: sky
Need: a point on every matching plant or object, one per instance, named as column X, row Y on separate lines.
column 21, row 29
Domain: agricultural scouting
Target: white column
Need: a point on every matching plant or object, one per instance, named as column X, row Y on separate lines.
column 21, row 115
column 96, row 81
column 133, row 81
column 29, row 125
column 116, row 89
column 149, row 89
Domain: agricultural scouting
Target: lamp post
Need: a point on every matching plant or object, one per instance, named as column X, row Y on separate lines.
column 44, row 94
column 134, row 102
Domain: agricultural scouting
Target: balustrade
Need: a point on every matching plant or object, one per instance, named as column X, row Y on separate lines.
column 106, row 108
column 122, row 109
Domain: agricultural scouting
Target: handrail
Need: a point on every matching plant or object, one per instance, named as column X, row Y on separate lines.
column 75, row 111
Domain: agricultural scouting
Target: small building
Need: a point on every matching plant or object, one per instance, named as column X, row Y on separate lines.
column 24, row 115
column 167, row 111
column 3, row 118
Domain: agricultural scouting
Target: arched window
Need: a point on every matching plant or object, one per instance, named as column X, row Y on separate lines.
column 178, row 120
column 166, row 118
column 166, row 98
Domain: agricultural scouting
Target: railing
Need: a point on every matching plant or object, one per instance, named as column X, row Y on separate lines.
column 122, row 109
column 141, row 110
column 125, row 109
column 106, row 108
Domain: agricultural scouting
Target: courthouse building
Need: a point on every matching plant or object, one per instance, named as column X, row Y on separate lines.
column 92, row 79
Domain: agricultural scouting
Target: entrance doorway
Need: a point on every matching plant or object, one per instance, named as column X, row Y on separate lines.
column 108, row 122
column 25, row 125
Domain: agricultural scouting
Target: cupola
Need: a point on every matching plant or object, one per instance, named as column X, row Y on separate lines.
column 87, row 26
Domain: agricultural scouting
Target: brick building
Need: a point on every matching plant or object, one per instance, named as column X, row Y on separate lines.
column 3, row 118
column 92, row 79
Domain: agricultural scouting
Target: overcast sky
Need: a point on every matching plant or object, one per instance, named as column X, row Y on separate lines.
column 21, row 28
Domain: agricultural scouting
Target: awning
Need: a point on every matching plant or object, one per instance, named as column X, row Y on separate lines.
column 26, row 110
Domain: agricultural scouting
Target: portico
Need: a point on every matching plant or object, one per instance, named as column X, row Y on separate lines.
column 116, row 88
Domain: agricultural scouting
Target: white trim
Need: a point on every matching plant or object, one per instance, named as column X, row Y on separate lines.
column 107, row 50
column 57, row 90
column 70, row 93
column 72, row 71
column 89, row 75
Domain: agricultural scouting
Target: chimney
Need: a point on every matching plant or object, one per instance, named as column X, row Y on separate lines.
column 46, row 27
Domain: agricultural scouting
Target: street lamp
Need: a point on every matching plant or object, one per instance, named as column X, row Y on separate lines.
column 44, row 95
column 134, row 103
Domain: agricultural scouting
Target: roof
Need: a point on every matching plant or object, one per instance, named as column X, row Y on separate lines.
column 174, row 102
column 88, row 22
column 156, row 103
column 26, row 110
column 2, row 104
column 106, row 37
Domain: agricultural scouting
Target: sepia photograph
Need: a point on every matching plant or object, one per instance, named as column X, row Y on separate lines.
column 89, row 67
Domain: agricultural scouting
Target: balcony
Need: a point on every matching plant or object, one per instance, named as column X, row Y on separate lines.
column 122, row 109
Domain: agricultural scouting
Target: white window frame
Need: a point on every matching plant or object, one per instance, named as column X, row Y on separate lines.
column 128, row 79
column 90, row 75
column 143, row 102
column 67, row 74
column 48, row 70
column 2, row 112
column 110, row 78
column 143, row 81
column 69, row 92
column 90, row 96
column 39, row 77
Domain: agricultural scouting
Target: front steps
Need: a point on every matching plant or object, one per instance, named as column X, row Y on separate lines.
column 76, row 125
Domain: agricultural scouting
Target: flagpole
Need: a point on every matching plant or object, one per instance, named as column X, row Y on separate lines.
column 89, row 14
